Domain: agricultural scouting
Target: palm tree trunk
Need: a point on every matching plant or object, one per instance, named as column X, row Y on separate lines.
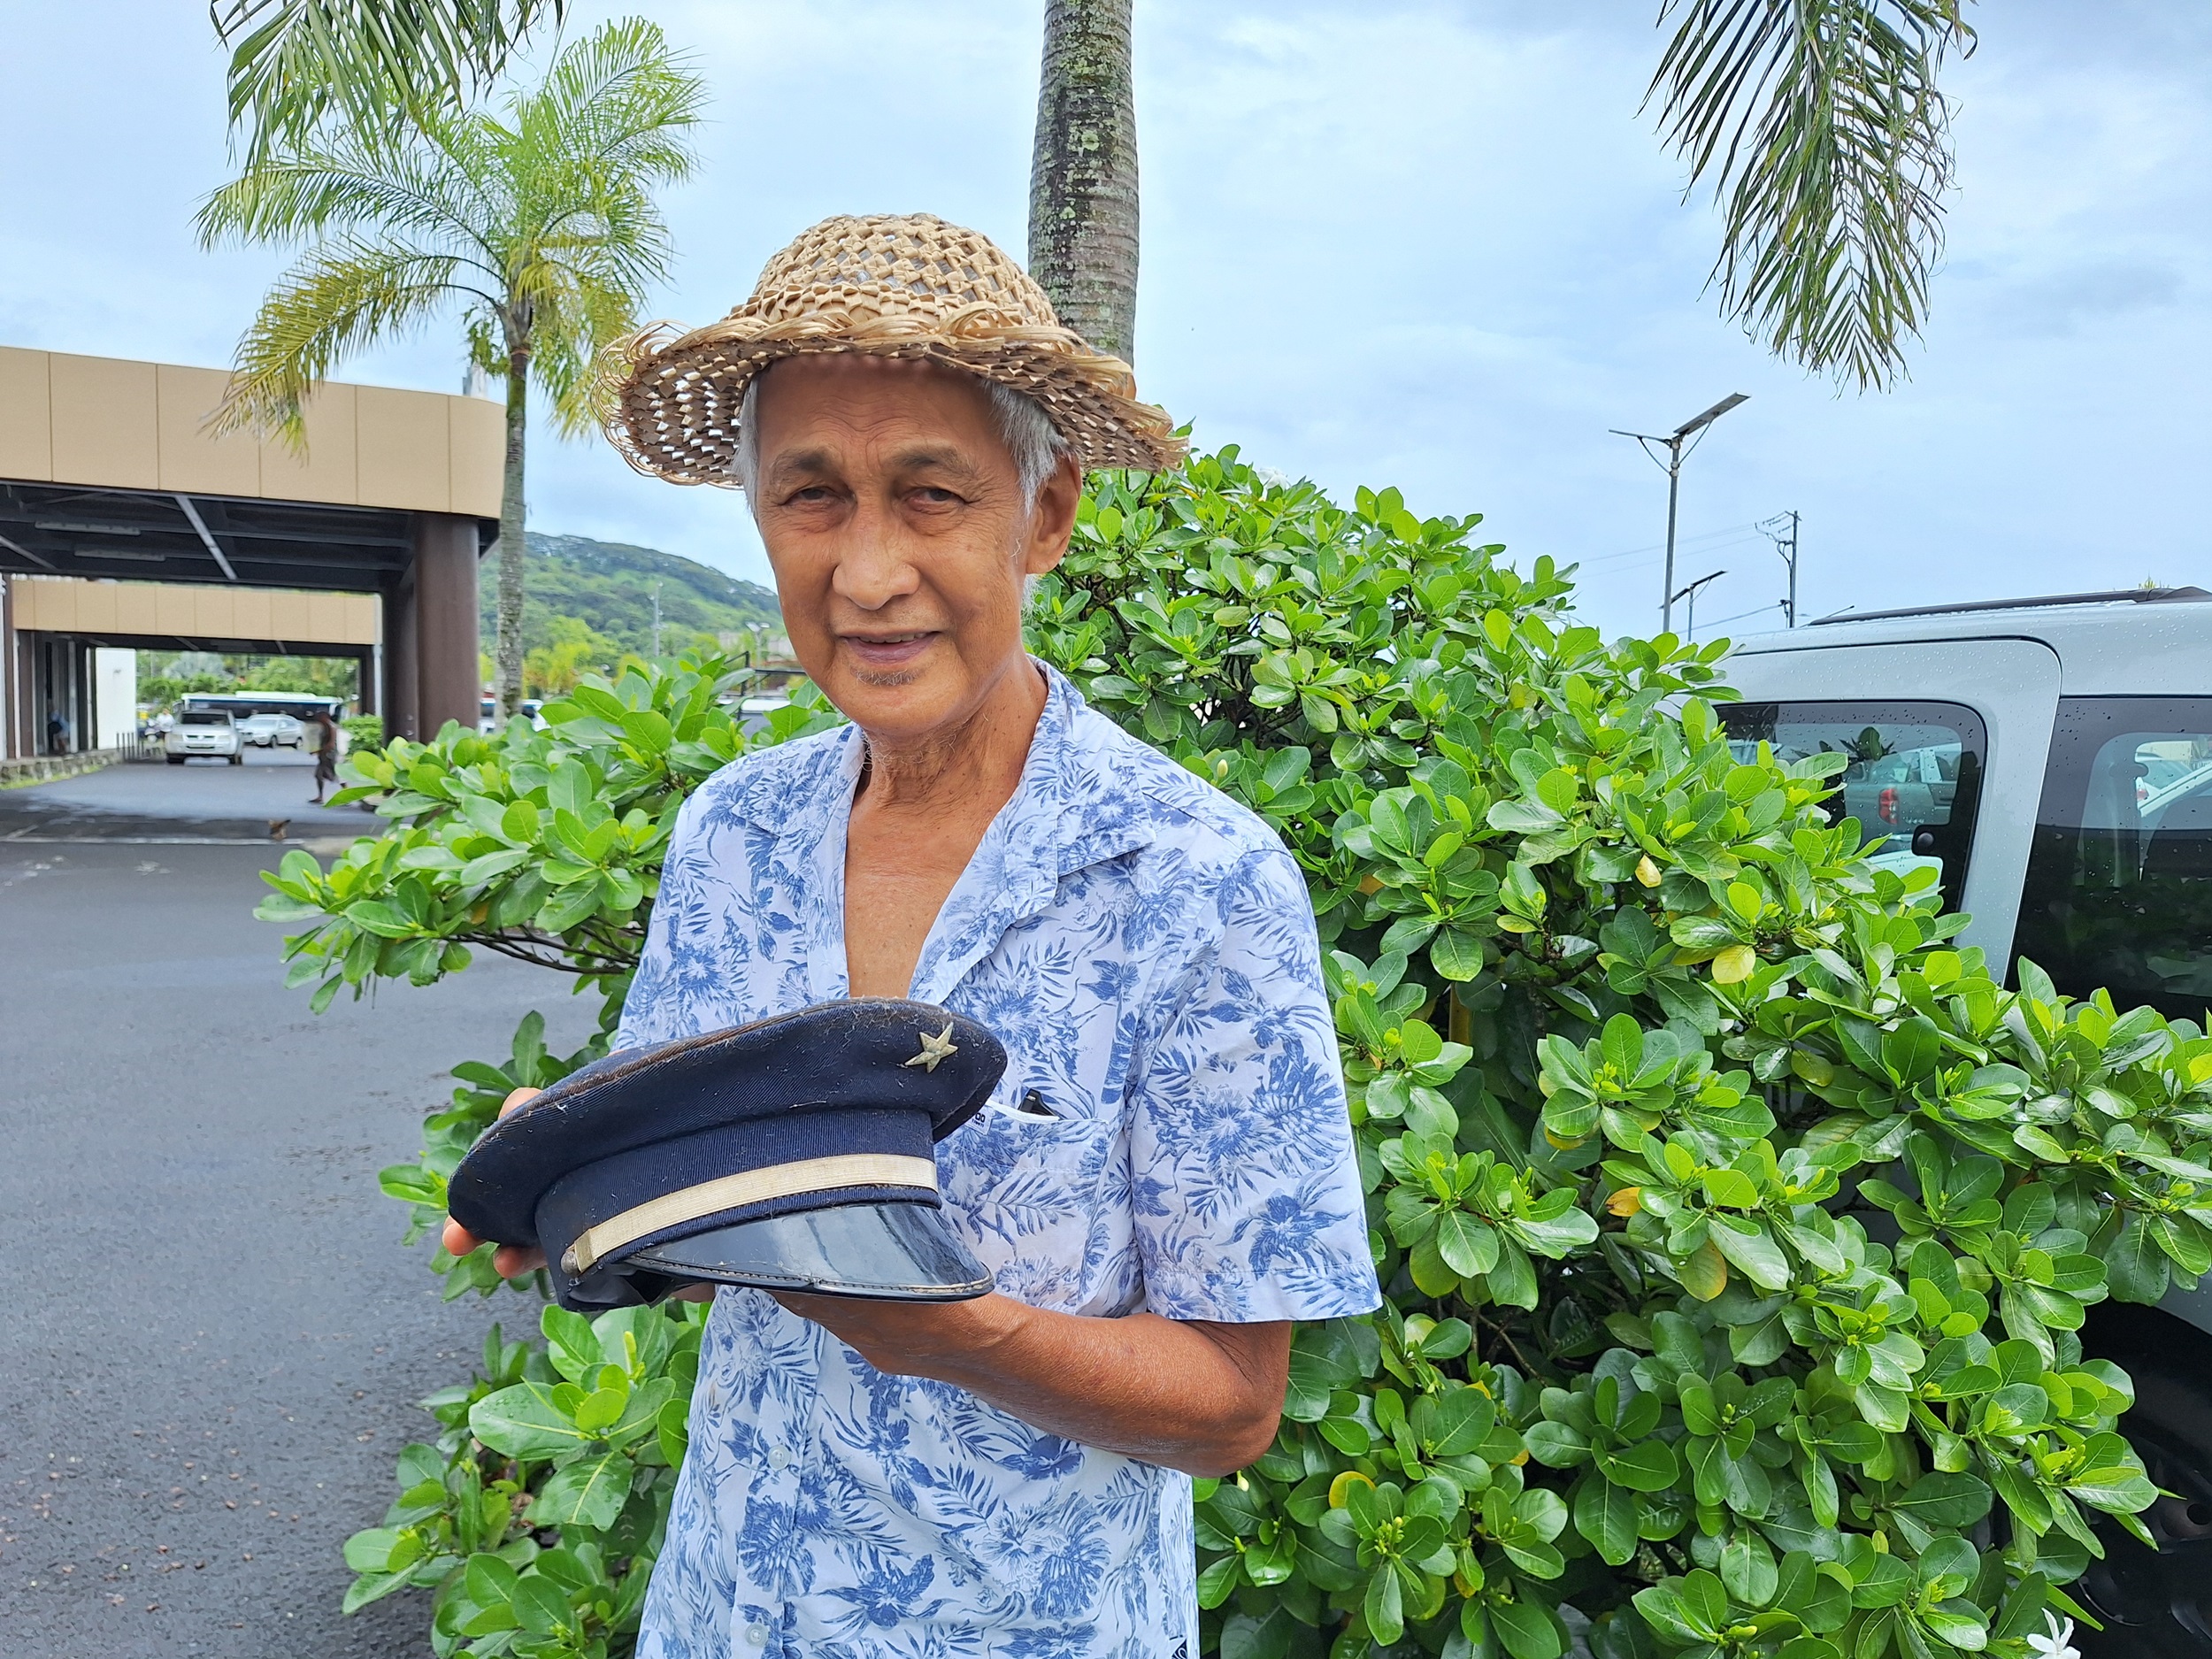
column 511, row 536
column 1083, row 177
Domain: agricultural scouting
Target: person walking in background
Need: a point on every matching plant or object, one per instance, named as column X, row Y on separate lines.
column 325, row 731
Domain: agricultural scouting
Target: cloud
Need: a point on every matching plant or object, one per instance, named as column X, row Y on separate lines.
column 1433, row 245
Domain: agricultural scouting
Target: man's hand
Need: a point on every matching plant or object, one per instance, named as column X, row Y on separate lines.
column 1199, row 1397
column 511, row 1261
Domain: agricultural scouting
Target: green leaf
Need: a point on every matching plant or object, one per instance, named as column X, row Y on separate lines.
column 523, row 1422
column 1646, row 1466
column 1468, row 1246
column 1605, row 1514
column 1527, row 1629
column 589, row 1493
column 1940, row 1501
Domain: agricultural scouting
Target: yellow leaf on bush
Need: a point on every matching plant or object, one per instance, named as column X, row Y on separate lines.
column 1628, row 1202
column 1341, row 1486
column 1647, row 871
column 1734, row 964
column 1564, row 1146
column 1704, row 1271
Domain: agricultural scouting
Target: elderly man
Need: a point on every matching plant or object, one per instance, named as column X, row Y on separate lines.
column 1164, row 1180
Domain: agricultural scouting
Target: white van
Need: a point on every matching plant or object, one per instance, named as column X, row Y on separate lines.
column 2052, row 759
column 208, row 732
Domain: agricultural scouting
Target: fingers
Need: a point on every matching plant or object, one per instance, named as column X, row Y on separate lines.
column 509, row 1260
column 458, row 1240
column 512, row 1261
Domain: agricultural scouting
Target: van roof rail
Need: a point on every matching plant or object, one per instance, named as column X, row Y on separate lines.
column 2117, row 595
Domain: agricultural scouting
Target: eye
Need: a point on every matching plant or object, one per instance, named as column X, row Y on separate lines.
column 932, row 495
column 813, row 495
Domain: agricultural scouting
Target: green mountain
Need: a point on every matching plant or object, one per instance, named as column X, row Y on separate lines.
column 609, row 586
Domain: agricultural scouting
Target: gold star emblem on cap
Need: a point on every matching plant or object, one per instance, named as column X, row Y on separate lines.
column 935, row 1048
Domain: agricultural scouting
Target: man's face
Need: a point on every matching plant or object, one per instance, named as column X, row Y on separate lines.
column 893, row 517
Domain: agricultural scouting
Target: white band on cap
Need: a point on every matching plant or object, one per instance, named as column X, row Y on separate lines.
column 748, row 1187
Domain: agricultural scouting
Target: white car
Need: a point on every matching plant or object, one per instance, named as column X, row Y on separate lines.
column 208, row 731
column 266, row 731
column 2052, row 759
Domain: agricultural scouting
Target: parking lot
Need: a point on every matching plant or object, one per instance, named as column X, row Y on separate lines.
column 214, row 1338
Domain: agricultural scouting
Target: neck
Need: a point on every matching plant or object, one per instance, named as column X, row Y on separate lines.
column 974, row 761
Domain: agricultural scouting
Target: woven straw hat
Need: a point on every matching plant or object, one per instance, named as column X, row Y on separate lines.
column 888, row 286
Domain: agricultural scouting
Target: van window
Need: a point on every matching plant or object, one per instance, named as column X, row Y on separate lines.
column 2119, row 888
column 1914, row 781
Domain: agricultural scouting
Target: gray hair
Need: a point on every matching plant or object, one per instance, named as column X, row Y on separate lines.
column 1024, row 427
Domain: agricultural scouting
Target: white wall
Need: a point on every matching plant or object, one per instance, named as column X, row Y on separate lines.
column 115, row 694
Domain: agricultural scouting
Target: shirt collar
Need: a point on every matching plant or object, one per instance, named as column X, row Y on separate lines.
column 1073, row 807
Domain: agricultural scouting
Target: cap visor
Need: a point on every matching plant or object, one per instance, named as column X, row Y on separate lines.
column 894, row 1252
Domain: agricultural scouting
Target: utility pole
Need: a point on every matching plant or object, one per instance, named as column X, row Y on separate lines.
column 1786, row 544
column 1690, row 594
column 656, row 622
column 1672, row 466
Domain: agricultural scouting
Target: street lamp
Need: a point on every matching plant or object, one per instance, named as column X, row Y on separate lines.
column 1690, row 594
column 1676, row 454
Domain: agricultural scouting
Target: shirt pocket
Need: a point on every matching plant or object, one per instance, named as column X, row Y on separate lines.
column 1032, row 1192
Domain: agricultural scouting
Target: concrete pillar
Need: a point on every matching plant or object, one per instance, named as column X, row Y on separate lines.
column 449, row 676
column 10, row 694
column 400, row 706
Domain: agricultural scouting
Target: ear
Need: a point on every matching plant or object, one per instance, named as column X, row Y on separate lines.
column 1045, row 542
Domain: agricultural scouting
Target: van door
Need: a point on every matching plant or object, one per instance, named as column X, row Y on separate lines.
column 1947, row 740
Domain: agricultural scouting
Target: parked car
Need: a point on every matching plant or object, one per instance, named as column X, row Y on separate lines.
column 2052, row 758
column 266, row 731
column 209, row 732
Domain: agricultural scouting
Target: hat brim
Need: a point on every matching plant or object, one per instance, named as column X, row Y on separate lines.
column 881, row 1252
column 674, row 403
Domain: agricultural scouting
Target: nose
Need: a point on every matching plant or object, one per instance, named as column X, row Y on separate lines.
column 873, row 569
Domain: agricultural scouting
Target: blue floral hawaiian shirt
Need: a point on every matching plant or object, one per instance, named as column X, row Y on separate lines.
column 1145, row 948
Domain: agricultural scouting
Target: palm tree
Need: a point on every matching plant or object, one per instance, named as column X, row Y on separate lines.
column 296, row 63
column 1083, row 174
column 538, row 225
column 1819, row 121
column 1826, row 137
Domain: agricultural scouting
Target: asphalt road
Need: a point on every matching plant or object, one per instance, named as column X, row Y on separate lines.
column 213, row 1339
column 199, row 799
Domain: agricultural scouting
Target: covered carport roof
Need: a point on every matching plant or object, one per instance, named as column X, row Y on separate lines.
column 107, row 470
column 69, row 530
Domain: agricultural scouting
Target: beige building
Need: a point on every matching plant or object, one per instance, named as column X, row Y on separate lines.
column 123, row 523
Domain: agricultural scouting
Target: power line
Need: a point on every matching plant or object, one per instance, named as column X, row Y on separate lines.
column 1742, row 532
column 1740, row 615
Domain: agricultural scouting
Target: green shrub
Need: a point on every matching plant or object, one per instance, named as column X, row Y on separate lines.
column 364, row 733
column 1735, row 1229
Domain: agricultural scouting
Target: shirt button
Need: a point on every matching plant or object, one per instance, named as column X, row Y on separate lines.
column 779, row 1459
column 756, row 1635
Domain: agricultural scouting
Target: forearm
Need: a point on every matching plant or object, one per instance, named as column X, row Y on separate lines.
column 1204, row 1398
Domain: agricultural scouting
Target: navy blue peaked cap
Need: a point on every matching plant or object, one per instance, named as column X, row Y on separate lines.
column 792, row 1153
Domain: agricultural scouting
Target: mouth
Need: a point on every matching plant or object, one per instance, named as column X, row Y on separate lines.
column 888, row 650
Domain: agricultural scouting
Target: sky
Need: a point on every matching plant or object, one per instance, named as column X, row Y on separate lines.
column 1430, row 245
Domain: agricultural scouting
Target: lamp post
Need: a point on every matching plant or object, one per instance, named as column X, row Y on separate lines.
column 1676, row 455
column 1690, row 594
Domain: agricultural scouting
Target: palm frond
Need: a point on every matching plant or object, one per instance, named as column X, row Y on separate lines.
column 579, row 318
column 298, row 63
column 623, row 100
column 347, row 294
column 1826, row 137
column 405, row 187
